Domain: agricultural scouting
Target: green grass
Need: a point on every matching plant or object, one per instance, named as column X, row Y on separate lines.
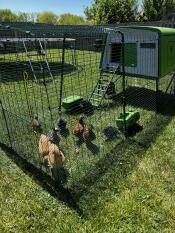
column 136, row 193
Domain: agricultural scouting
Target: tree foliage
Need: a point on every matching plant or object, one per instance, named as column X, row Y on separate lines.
column 27, row 17
column 43, row 17
column 7, row 16
column 47, row 17
column 71, row 19
column 111, row 11
column 154, row 9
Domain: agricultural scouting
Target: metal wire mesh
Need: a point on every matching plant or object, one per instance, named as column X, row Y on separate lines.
column 85, row 81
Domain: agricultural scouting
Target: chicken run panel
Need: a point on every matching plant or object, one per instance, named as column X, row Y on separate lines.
column 60, row 95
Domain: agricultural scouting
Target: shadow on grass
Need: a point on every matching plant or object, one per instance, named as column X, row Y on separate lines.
column 13, row 70
column 140, row 97
column 95, row 150
column 124, row 152
column 43, row 179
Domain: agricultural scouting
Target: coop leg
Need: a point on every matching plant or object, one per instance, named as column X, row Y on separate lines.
column 174, row 84
column 157, row 96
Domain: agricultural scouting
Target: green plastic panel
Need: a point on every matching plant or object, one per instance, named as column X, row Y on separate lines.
column 167, row 55
column 130, row 117
column 71, row 100
column 131, row 54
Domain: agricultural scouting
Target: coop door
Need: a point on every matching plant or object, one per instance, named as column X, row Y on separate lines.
column 116, row 51
column 130, row 53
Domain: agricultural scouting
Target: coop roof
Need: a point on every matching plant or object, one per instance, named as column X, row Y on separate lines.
column 160, row 30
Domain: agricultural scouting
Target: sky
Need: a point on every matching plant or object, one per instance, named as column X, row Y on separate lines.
column 56, row 6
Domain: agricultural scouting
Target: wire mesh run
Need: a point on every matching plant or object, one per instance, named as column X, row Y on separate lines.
column 68, row 98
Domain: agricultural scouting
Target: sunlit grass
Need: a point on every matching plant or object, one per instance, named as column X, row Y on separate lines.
column 135, row 194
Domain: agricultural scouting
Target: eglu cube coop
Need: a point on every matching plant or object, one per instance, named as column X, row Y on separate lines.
column 149, row 51
column 80, row 85
column 149, row 63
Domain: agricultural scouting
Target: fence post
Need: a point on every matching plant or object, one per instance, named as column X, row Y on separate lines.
column 6, row 124
column 124, row 82
column 62, row 71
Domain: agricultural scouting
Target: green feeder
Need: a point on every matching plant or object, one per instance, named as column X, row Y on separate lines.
column 71, row 102
column 131, row 118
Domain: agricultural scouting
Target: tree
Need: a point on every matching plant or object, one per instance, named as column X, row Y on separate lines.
column 47, row 17
column 71, row 19
column 7, row 16
column 111, row 11
column 27, row 17
column 154, row 9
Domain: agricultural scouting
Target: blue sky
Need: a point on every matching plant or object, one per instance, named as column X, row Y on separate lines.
column 57, row 6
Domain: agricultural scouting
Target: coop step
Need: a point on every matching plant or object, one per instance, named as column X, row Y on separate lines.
column 96, row 100
column 102, row 86
column 99, row 92
column 105, row 75
column 103, row 83
column 109, row 71
column 96, row 94
column 95, row 105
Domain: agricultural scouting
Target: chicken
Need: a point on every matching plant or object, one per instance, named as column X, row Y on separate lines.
column 53, row 136
column 51, row 155
column 111, row 89
column 56, row 156
column 62, row 123
column 79, row 127
column 43, row 145
column 36, row 124
column 87, row 134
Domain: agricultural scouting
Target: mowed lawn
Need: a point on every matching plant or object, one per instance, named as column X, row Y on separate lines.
column 135, row 194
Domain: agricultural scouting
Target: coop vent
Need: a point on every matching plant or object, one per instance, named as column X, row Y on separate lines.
column 147, row 45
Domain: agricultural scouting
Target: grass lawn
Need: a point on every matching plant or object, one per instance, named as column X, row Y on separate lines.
column 135, row 194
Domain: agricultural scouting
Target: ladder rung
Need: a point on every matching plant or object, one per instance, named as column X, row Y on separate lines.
column 98, row 89
column 109, row 71
column 96, row 94
column 96, row 100
column 95, row 105
column 105, row 75
column 101, row 88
